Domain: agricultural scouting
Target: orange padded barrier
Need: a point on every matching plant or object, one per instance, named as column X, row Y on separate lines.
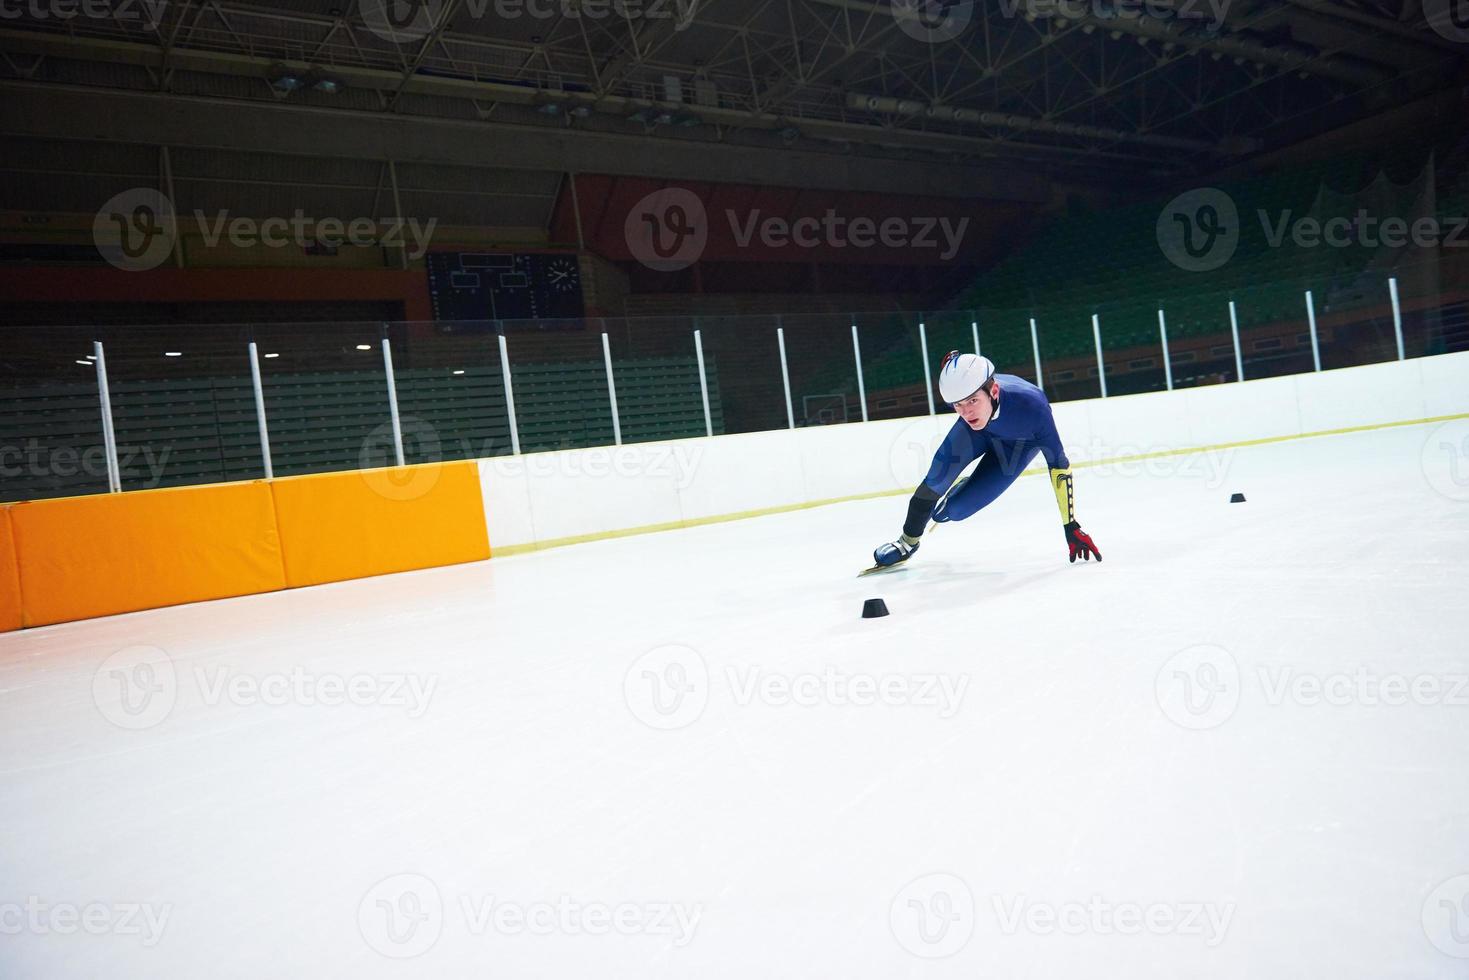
column 337, row 526
column 112, row 553
column 9, row 576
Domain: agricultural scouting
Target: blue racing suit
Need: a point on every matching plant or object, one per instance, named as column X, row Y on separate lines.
column 1022, row 427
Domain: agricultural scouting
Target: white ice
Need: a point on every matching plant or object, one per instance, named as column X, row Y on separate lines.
column 1193, row 760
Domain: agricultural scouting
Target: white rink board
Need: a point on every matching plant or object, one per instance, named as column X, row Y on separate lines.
column 546, row 497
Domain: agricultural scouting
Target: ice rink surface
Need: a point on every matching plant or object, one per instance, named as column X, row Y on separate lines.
column 1237, row 748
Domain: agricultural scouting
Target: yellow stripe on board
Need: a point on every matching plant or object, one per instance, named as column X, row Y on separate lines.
column 518, row 549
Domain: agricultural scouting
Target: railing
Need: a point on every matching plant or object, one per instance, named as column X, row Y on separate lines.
column 93, row 409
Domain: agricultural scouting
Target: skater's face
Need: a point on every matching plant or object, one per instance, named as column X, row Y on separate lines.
column 978, row 408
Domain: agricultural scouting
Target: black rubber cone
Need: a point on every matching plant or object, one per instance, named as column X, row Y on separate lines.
column 873, row 608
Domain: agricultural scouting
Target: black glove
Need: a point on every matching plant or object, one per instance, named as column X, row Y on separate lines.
column 941, row 509
column 1081, row 543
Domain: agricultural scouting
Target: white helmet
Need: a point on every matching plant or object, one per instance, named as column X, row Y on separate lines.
column 961, row 375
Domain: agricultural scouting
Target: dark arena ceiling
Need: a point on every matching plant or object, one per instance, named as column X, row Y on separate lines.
column 1076, row 89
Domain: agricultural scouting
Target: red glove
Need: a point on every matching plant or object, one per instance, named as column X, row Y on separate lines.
column 1081, row 543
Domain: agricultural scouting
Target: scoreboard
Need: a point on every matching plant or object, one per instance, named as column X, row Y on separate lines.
column 504, row 285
